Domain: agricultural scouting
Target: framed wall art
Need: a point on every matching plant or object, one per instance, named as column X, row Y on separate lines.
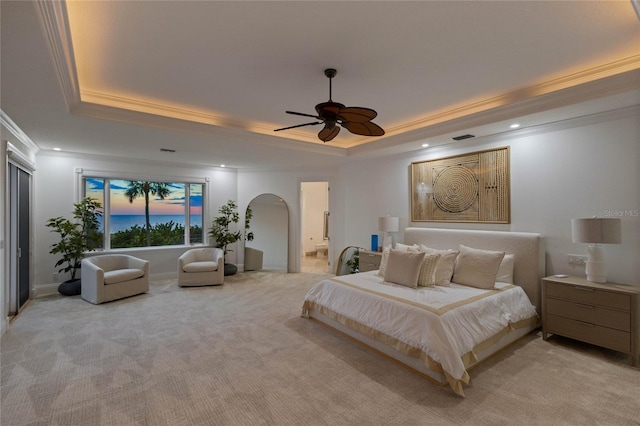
column 473, row 187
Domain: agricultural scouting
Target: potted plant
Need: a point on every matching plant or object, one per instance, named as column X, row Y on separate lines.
column 221, row 233
column 248, row 235
column 76, row 238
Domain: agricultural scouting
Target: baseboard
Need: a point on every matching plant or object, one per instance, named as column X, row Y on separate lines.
column 45, row 289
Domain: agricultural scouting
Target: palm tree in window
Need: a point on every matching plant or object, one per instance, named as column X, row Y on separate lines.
column 139, row 188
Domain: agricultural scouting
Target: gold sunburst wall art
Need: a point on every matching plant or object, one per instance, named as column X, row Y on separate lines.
column 473, row 187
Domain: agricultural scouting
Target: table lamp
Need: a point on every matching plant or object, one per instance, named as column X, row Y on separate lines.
column 596, row 231
column 388, row 224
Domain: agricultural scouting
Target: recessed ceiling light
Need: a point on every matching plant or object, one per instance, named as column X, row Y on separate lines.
column 424, row 145
column 514, row 126
column 222, row 165
column 57, row 149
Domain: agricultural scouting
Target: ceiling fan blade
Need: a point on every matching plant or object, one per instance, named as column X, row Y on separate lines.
column 304, row 115
column 357, row 114
column 328, row 134
column 299, row 125
column 366, row 129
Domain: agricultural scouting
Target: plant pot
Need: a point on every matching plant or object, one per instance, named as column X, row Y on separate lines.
column 70, row 288
column 230, row 269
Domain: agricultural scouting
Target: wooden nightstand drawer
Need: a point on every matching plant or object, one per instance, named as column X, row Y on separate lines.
column 588, row 295
column 620, row 320
column 590, row 333
column 369, row 261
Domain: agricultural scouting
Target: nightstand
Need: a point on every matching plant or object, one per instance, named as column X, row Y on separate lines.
column 601, row 314
column 369, row 260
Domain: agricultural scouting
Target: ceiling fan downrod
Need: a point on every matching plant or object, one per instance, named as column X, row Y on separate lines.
column 330, row 73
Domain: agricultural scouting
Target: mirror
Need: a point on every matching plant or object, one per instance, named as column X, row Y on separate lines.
column 269, row 249
column 349, row 260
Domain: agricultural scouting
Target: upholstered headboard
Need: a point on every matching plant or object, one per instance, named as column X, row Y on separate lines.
column 527, row 248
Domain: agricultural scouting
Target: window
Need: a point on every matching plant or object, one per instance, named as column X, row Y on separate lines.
column 143, row 213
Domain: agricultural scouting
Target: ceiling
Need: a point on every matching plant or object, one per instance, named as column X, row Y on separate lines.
column 210, row 80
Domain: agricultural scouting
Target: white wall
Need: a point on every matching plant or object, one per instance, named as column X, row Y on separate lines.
column 55, row 189
column 575, row 169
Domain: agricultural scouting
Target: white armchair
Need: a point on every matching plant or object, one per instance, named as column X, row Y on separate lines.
column 201, row 266
column 113, row 276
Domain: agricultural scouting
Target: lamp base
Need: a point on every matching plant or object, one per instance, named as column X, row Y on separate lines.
column 596, row 269
column 387, row 242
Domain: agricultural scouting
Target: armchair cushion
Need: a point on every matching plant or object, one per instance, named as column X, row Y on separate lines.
column 120, row 275
column 205, row 266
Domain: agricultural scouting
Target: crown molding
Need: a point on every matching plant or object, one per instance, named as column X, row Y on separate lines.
column 17, row 132
column 535, row 91
column 619, row 83
column 55, row 22
column 174, row 124
column 575, row 87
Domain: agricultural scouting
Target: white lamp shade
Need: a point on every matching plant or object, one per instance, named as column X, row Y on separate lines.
column 596, row 230
column 388, row 224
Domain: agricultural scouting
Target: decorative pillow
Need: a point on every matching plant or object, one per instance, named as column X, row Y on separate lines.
column 403, row 267
column 446, row 263
column 477, row 268
column 427, row 276
column 505, row 272
column 383, row 261
column 405, row 247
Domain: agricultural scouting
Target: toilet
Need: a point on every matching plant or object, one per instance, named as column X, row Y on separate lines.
column 322, row 249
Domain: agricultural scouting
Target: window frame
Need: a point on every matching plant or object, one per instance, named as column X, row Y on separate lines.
column 80, row 191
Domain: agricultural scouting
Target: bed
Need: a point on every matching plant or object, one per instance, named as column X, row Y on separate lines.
column 440, row 331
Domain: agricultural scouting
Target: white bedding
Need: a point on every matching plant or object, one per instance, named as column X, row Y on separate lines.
column 441, row 325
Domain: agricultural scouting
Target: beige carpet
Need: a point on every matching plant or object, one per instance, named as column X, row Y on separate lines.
column 242, row 355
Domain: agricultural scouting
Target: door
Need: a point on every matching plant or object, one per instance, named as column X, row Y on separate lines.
column 20, row 236
column 24, row 184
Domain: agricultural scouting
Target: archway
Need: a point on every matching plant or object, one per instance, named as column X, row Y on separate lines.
column 269, row 249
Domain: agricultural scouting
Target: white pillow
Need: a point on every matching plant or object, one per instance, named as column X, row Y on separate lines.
column 427, row 276
column 446, row 263
column 405, row 247
column 505, row 272
column 477, row 268
column 403, row 268
column 383, row 261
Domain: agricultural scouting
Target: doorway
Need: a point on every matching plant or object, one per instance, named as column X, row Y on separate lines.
column 314, row 199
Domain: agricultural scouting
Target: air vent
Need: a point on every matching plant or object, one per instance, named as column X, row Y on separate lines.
column 462, row 137
column 167, row 150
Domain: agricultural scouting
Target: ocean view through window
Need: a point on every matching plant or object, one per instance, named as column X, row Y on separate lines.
column 140, row 213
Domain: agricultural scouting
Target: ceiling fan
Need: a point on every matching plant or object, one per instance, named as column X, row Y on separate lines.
column 357, row 120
